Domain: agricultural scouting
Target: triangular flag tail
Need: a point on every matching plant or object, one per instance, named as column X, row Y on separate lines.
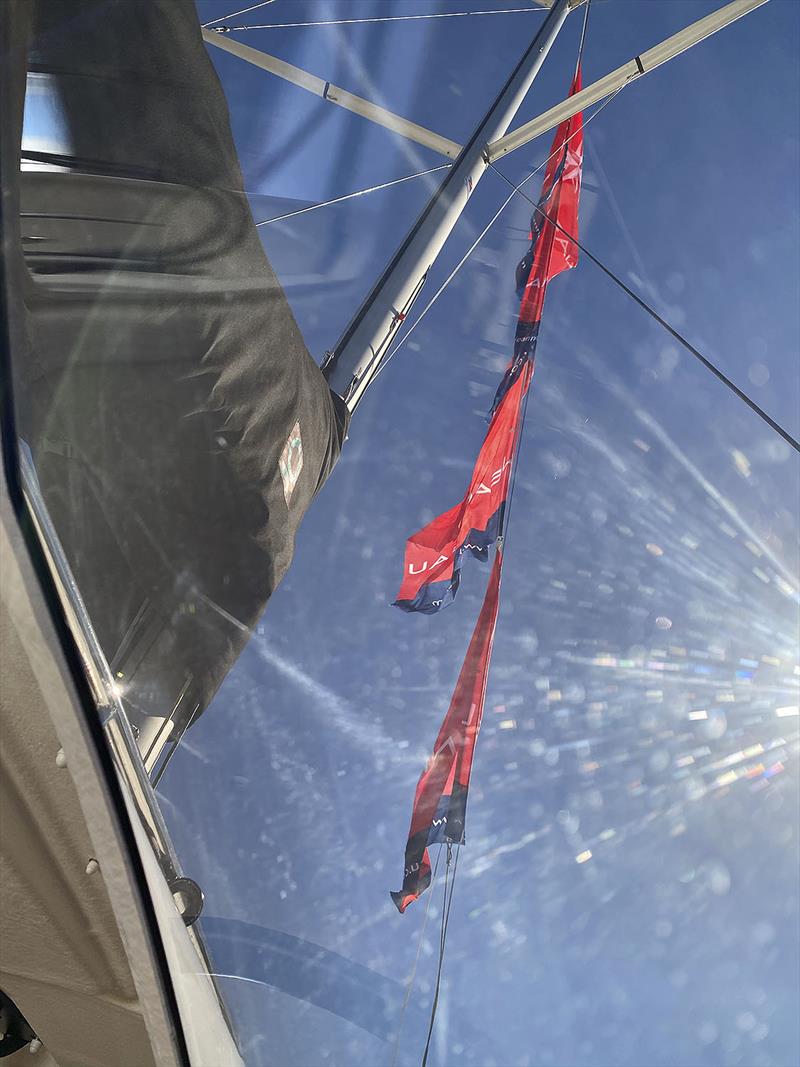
column 440, row 802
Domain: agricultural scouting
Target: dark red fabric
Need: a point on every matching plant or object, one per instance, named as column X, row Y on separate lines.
column 433, row 554
column 440, row 802
column 553, row 251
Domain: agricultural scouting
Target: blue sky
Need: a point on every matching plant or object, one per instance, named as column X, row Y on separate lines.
column 640, row 702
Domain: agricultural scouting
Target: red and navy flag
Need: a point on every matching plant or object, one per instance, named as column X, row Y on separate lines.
column 551, row 250
column 433, row 554
column 440, row 803
column 432, row 564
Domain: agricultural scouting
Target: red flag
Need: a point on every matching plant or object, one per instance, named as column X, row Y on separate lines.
column 432, row 564
column 440, row 803
column 551, row 250
column 433, row 554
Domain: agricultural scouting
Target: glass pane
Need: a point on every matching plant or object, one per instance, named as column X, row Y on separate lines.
column 628, row 891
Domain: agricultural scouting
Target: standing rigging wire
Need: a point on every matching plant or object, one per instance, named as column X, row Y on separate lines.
column 413, row 975
column 480, row 237
column 606, row 270
column 377, row 18
column 358, row 192
column 582, row 41
column 446, row 902
column 233, row 14
column 776, row 426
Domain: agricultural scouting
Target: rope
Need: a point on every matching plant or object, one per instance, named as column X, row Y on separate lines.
column 412, row 976
column 606, row 270
column 378, row 18
column 233, row 14
column 663, row 322
column 583, row 35
column 480, row 237
column 350, row 196
column 446, row 902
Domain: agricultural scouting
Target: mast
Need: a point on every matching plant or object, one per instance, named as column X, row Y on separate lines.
column 635, row 68
column 357, row 356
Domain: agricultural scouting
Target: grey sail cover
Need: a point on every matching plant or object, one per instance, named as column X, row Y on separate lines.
column 178, row 425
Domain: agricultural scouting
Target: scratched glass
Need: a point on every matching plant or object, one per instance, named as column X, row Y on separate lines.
column 628, row 892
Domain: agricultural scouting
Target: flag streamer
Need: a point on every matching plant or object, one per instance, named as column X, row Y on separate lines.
column 440, row 803
column 433, row 555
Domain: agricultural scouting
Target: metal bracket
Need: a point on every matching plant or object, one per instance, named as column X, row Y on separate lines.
column 336, row 95
column 642, row 64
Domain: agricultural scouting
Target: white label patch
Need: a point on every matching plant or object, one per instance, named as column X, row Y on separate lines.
column 291, row 462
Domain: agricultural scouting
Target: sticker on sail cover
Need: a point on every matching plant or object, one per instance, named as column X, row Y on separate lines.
column 291, row 462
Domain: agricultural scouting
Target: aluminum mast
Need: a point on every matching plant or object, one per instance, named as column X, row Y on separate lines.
column 354, row 362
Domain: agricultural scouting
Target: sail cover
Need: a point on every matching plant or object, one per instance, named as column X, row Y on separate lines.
column 433, row 555
column 440, row 803
column 179, row 427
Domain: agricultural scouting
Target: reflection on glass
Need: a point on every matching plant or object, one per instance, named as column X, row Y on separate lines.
column 629, row 890
column 178, row 426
